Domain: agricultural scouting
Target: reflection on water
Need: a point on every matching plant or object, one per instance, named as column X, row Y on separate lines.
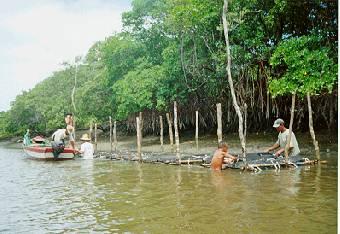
column 106, row 197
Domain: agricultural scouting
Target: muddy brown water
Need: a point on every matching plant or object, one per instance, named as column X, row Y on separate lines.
column 103, row 196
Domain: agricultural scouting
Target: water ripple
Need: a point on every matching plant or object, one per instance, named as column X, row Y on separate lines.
column 107, row 197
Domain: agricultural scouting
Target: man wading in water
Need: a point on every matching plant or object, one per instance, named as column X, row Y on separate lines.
column 281, row 142
column 221, row 156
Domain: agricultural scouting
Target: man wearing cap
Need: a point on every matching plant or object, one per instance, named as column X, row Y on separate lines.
column 282, row 140
column 58, row 141
column 60, row 135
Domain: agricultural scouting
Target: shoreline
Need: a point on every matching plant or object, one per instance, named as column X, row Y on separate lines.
column 206, row 144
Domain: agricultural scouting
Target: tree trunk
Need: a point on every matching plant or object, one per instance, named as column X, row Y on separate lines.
column 153, row 122
column 290, row 127
column 73, row 99
column 230, row 80
column 311, row 128
column 331, row 113
column 178, row 155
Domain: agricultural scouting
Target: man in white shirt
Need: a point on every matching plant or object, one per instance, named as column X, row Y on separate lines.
column 59, row 135
column 282, row 140
column 58, row 141
column 86, row 148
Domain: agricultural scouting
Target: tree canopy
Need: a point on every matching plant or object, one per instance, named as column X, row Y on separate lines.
column 174, row 50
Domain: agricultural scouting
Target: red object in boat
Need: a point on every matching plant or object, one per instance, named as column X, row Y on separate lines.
column 38, row 139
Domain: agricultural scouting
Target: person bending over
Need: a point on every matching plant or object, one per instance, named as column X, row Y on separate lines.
column 282, row 138
column 221, row 156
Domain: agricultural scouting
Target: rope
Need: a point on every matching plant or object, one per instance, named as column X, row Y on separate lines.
column 278, row 164
column 272, row 161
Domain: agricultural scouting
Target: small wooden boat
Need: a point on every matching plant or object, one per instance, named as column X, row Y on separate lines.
column 38, row 148
column 44, row 152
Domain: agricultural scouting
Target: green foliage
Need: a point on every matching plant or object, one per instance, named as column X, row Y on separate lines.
column 137, row 91
column 175, row 50
column 4, row 118
column 305, row 67
column 119, row 55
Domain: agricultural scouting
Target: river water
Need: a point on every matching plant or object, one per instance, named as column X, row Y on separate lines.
column 103, row 196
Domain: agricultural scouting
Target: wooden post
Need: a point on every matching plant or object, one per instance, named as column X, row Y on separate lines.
column 196, row 132
column 311, row 128
column 153, row 120
column 245, row 124
column 290, row 128
column 141, row 124
column 171, row 135
column 267, row 106
column 110, row 122
column 178, row 155
column 115, row 135
column 161, row 131
column 95, row 137
column 139, row 145
column 219, row 122
column 91, row 130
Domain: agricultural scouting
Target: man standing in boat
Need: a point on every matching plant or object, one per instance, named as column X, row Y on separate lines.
column 70, row 128
column 282, row 140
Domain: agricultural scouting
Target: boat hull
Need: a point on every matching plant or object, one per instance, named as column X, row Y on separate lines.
column 46, row 153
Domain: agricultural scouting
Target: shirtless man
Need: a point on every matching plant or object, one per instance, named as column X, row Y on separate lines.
column 69, row 119
column 221, row 156
column 70, row 128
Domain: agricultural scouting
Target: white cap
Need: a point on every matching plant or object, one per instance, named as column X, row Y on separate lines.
column 278, row 122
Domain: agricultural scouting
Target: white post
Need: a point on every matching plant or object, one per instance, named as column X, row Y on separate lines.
column 176, row 133
column 110, row 122
column 115, row 135
column 95, row 137
column 219, row 122
column 196, row 133
column 161, row 131
column 139, row 146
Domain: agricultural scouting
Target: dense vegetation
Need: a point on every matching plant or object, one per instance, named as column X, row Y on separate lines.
column 174, row 50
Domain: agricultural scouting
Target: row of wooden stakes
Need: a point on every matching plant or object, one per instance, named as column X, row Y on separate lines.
column 139, row 127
